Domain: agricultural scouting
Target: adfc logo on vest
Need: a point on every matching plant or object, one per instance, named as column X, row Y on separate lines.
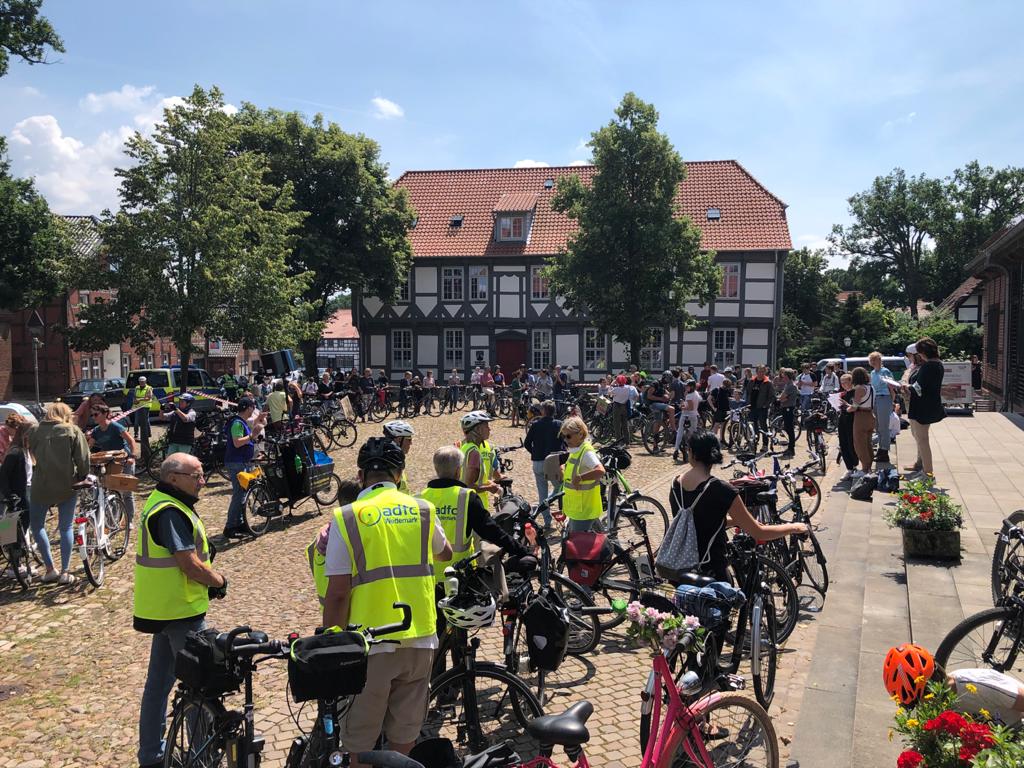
column 371, row 514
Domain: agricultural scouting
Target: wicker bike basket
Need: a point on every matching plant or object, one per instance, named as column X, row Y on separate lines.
column 328, row 666
column 120, row 482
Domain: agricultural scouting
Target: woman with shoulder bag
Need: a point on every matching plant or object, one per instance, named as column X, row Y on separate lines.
column 925, row 389
column 715, row 505
column 863, row 407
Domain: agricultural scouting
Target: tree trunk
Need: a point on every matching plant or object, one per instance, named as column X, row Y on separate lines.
column 634, row 352
column 185, row 357
column 308, row 347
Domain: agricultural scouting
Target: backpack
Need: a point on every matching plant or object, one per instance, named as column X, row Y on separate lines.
column 547, row 630
column 679, row 552
column 863, row 489
column 587, row 554
column 888, row 480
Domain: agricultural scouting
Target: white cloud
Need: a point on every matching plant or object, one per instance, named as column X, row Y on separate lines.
column 385, row 109
column 580, row 162
column 147, row 117
column 28, row 90
column 582, row 147
column 74, row 176
column 813, row 242
column 527, row 163
column 130, row 98
column 890, row 125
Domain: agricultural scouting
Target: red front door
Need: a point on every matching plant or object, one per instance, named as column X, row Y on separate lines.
column 510, row 354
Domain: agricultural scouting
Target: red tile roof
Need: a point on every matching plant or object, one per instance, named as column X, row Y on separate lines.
column 516, row 201
column 752, row 217
column 339, row 326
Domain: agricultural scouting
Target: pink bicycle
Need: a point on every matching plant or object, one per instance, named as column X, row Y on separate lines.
column 716, row 730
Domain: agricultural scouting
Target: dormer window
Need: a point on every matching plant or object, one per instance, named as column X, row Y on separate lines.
column 714, row 214
column 512, row 227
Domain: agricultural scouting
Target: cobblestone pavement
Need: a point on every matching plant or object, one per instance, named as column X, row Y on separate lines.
column 72, row 668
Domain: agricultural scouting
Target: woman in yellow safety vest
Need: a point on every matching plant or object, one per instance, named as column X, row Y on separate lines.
column 581, row 478
column 478, row 471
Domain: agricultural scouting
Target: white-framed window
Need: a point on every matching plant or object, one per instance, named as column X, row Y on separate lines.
column 83, row 298
column 451, row 284
column 541, row 348
column 477, row 283
column 454, row 349
column 730, row 281
column 97, row 367
column 723, row 347
column 652, row 358
column 165, row 360
column 594, row 350
column 403, row 289
column 512, row 228
column 401, row 350
column 540, row 289
column 85, row 368
column 126, row 365
column 146, row 361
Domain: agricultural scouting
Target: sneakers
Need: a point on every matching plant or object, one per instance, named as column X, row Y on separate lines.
column 855, row 474
column 234, row 533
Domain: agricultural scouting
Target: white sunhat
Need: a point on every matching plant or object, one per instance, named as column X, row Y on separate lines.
column 911, row 349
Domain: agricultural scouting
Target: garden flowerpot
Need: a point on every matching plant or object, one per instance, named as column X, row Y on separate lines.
column 935, row 545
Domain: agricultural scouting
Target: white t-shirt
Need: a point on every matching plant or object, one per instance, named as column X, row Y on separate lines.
column 996, row 693
column 690, row 405
column 624, row 394
column 715, row 380
column 338, row 563
column 829, row 382
column 806, row 383
column 588, row 461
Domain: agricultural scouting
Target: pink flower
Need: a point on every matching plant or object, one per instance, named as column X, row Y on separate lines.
column 691, row 622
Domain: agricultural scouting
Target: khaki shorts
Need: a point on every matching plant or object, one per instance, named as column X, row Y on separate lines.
column 395, row 698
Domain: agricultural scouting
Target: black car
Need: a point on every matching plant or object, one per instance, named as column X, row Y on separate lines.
column 111, row 389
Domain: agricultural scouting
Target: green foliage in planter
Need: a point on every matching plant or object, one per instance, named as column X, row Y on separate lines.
column 919, row 506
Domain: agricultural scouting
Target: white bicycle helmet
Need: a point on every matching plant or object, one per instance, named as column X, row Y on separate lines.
column 470, row 611
column 473, row 418
column 398, row 428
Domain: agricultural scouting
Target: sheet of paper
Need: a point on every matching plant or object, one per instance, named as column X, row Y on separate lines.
column 836, row 401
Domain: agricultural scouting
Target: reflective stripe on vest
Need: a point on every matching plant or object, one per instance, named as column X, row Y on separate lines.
column 388, row 536
column 486, row 467
column 584, row 502
column 452, row 507
column 162, row 590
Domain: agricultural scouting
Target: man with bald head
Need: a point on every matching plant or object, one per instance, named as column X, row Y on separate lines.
column 174, row 582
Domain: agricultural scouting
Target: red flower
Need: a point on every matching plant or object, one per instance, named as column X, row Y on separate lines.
column 932, row 497
column 950, row 722
column 905, row 497
column 915, row 499
column 909, row 759
column 974, row 738
column 926, row 514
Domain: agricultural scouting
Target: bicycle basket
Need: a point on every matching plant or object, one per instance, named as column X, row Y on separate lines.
column 711, row 604
column 319, row 476
column 816, row 421
column 202, row 665
column 748, row 488
column 328, row 666
column 120, row 482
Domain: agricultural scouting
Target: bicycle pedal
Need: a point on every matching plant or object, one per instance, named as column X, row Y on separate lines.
column 734, row 682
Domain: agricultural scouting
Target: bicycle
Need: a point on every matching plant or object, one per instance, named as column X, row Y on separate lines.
column 16, row 545
column 204, row 732
column 991, row 638
column 790, row 480
column 102, row 523
column 1008, row 556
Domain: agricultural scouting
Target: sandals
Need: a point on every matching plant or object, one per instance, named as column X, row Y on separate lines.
column 50, row 578
column 67, row 578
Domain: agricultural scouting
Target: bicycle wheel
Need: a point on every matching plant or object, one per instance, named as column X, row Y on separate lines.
column 584, row 631
column 156, row 457
column 735, row 730
column 322, row 439
column 344, row 433
column 481, row 708
column 784, row 596
column 810, row 489
column 656, row 522
column 813, row 563
column 620, row 581
column 653, row 439
column 329, row 494
column 119, row 527
column 194, row 739
column 259, row 509
column 87, row 541
column 19, row 560
column 991, row 638
column 1007, row 557
column 763, row 649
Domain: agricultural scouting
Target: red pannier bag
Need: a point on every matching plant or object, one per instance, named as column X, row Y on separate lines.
column 586, row 555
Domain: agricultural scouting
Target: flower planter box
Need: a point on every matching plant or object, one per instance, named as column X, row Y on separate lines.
column 934, row 545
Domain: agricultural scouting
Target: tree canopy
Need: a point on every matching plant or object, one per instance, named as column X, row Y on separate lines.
column 200, row 244
column 24, row 33
column 634, row 261
column 33, row 243
column 353, row 234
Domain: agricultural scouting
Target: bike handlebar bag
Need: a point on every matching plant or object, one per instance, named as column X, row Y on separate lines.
column 749, row 487
column 587, row 554
column 511, row 511
column 615, row 458
column 328, row 666
column 202, row 665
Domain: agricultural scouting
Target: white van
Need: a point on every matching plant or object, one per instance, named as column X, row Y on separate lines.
column 897, row 365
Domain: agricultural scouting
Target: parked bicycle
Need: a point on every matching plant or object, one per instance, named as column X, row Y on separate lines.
column 102, row 524
column 16, row 545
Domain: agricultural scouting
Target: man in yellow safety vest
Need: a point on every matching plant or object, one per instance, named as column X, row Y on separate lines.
column 174, row 582
column 478, row 471
column 381, row 550
column 143, row 400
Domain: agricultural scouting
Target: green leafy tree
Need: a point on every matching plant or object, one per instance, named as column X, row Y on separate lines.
column 33, row 244
column 979, row 201
column 24, row 33
column 891, row 222
column 808, row 292
column 866, row 323
column 354, row 233
column 635, row 261
column 200, row 243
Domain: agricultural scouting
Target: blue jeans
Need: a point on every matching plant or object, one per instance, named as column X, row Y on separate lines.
column 178, row 448
column 883, row 409
column 542, row 488
column 159, row 682
column 805, row 401
column 65, row 520
column 237, row 506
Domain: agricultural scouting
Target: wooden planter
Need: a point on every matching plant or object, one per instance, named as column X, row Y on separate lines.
column 933, row 545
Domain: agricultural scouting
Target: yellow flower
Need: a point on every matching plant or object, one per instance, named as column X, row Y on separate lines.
column 985, row 715
column 920, row 679
column 900, row 711
column 912, row 723
column 929, row 696
column 895, row 698
column 971, row 688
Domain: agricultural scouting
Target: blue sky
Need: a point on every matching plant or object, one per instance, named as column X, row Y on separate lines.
column 814, row 98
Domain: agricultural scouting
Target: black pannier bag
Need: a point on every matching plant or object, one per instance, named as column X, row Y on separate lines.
column 547, row 631
column 202, row 665
column 327, row 666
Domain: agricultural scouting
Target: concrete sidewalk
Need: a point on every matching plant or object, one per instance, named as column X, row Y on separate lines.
column 877, row 600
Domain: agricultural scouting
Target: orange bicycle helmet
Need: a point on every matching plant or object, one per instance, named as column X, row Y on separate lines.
column 906, row 672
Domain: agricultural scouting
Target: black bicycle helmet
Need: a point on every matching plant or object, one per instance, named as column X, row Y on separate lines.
column 381, row 453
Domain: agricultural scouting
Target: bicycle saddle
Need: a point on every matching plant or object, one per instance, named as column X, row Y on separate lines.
column 630, row 512
column 745, row 457
column 87, row 483
column 692, row 579
column 567, row 729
